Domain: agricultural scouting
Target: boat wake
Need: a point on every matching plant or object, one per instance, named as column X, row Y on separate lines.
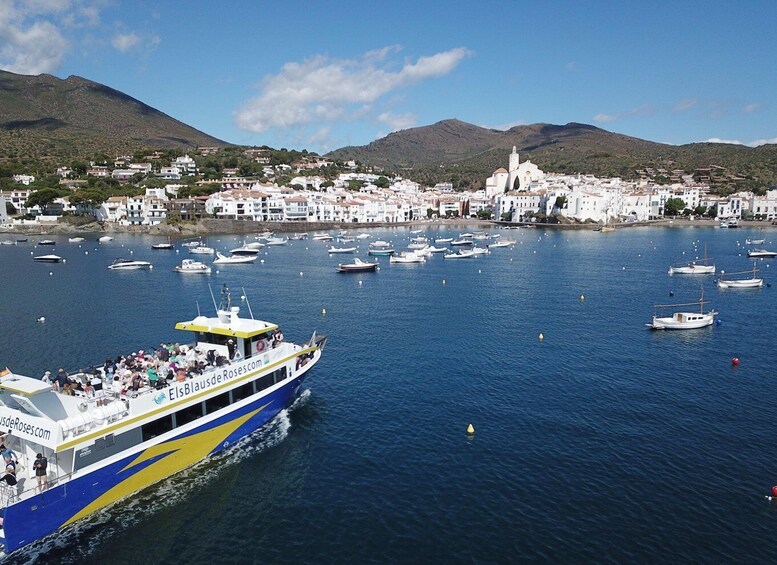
column 85, row 537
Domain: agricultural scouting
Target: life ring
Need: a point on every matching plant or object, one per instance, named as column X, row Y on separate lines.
column 260, row 345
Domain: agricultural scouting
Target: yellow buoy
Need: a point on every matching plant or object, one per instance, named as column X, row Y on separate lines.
column 470, row 429
column 582, row 297
column 323, row 312
column 541, row 336
column 443, row 282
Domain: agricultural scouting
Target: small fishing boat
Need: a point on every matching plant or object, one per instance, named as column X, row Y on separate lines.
column 761, row 253
column 380, row 243
column 167, row 245
column 358, row 266
column 105, row 239
column 501, row 243
column 341, row 249
column 192, row 243
column 459, row 255
column 202, row 250
column 190, row 266
column 407, row 257
column 299, row 236
column 756, row 241
column 443, row 240
column 47, row 258
column 234, row 260
column 433, row 249
column 683, row 320
column 47, row 242
column 480, row 251
column 323, row 237
column 363, row 236
column 462, row 242
column 381, row 251
column 128, row 264
column 735, row 280
column 21, row 240
column 8, row 242
column 698, row 267
column 75, row 239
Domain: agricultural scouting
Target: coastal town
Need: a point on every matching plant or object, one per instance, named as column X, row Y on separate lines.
column 521, row 192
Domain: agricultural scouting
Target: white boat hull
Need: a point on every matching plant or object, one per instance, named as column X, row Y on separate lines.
column 743, row 283
column 684, row 321
column 693, row 270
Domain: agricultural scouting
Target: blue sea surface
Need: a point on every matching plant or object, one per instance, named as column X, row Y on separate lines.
column 603, row 441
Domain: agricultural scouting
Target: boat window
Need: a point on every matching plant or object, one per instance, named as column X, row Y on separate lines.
column 157, row 427
column 110, row 440
column 264, row 382
column 216, row 403
column 188, row 414
column 279, row 374
column 243, row 391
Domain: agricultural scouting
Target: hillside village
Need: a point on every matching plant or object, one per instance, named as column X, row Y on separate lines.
column 295, row 193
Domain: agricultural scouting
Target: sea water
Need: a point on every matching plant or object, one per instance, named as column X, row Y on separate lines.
column 603, row 441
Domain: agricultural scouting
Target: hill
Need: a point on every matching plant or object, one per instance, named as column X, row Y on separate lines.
column 455, row 151
column 46, row 117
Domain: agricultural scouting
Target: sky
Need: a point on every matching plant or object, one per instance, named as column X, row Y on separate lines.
column 319, row 75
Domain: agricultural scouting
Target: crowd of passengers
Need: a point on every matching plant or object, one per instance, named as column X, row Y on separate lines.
column 141, row 370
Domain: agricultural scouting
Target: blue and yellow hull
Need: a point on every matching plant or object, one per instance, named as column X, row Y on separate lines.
column 62, row 505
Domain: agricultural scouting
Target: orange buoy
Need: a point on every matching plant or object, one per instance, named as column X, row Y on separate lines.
column 774, row 491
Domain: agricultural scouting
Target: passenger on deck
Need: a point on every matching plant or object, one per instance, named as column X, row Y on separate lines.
column 10, row 472
column 277, row 339
column 231, row 348
column 62, row 378
column 46, row 378
column 40, row 465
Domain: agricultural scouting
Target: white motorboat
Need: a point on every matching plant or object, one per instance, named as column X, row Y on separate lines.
column 380, row 243
column 419, row 240
column 167, row 245
column 418, row 245
column 194, row 243
column 761, row 253
column 105, row 239
column 202, row 250
column 756, row 241
column 462, row 242
column 276, row 241
column 299, row 236
column 407, row 258
column 47, row 258
column 323, row 237
column 358, row 266
column 363, row 236
column 346, row 240
column 47, row 242
column 190, row 266
column 501, row 243
column 128, row 264
column 381, row 251
column 341, row 250
column 75, row 239
column 480, row 251
column 234, row 260
column 459, row 255
column 246, row 250
column 735, row 280
column 443, row 240
column 433, row 249
column 683, row 320
column 466, row 235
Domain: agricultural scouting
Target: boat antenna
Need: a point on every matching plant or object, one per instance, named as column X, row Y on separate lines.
column 198, row 308
column 247, row 302
column 215, row 306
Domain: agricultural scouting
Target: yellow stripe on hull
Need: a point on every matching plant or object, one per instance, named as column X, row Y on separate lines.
column 179, row 454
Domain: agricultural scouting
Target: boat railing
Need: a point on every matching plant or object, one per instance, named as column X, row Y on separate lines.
column 10, row 495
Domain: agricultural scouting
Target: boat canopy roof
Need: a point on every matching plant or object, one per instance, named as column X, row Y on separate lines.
column 23, row 385
column 228, row 324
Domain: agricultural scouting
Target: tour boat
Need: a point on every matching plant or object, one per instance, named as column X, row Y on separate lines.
column 341, row 249
column 733, row 280
column 128, row 264
column 47, row 258
column 358, row 266
column 683, row 320
column 761, row 253
column 202, row 250
column 104, row 449
column 190, row 266
column 234, row 260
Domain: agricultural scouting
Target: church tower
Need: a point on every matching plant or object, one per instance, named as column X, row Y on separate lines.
column 512, row 169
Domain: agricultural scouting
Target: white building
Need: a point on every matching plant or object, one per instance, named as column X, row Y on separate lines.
column 24, row 179
column 523, row 173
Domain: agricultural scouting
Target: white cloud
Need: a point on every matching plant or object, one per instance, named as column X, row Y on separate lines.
column 507, row 126
column 719, row 140
column 31, row 38
column 604, row 118
column 759, row 142
column 686, row 104
column 751, row 108
column 321, row 89
column 125, row 41
column 398, row 122
column 640, row 111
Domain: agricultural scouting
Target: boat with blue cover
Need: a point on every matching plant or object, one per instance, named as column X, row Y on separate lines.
column 105, row 447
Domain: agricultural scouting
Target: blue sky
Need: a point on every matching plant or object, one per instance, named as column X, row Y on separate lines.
column 321, row 75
